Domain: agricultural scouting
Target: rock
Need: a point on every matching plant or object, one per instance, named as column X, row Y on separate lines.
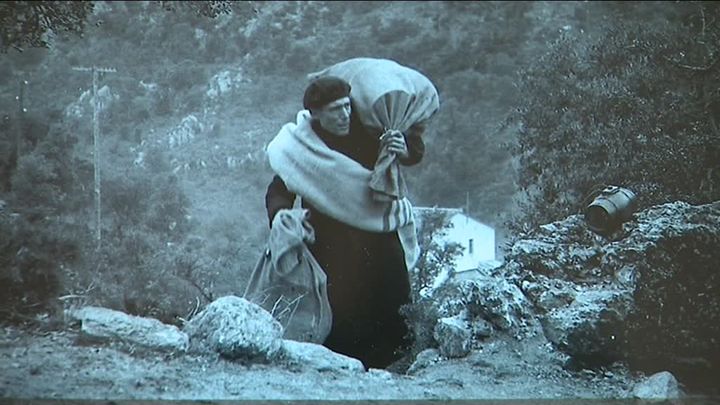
column 659, row 387
column 424, row 359
column 564, row 250
column 318, row 357
column 84, row 105
column 453, row 336
column 500, row 302
column 106, row 325
column 648, row 296
column 380, row 374
column 189, row 128
column 236, row 329
column 220, row 84
column 583, row 329
column 548, row 294
column 670, row 260
column 223, row 83
column 481, row 328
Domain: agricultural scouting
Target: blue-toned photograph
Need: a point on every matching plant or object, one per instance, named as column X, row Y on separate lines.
column 359, row 201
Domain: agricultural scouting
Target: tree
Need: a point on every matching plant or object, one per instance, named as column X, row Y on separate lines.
column 31, row 23
column 38, row 236
column 635, row 108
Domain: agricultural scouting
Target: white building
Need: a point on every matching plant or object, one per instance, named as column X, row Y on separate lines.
column 476, row 239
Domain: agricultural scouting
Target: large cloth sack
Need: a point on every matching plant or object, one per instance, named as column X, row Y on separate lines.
column 386, row 96
column 289, row 283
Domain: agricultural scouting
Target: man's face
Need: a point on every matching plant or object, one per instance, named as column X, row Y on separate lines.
column 334, row 117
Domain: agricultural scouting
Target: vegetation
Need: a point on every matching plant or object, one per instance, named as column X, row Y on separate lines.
column 422, row 312
column 637, row 108
column 29, row 23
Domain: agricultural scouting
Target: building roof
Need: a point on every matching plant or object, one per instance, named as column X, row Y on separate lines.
column 448, row 212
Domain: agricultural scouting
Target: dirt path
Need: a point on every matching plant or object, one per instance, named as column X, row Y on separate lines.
column 54, row 365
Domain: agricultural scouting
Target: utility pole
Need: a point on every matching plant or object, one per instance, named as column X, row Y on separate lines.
column 467, row 203
column 96, row 145
column 17, row 123
column 21, row 112
column 20, row 116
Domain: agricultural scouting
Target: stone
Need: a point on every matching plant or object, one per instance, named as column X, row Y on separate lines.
column 661, row 386
column 481, row 328
column 220, row 84
column 453, row 336
column 548, row 294
column 83, row 106
column 646, row 296
column 497, row 300
column 237, row 329
column 189, row 128
column 380, row 374
column 423, row 360
column 317, row 357
column 224, row 83
column 583, row 328
column 105, row 325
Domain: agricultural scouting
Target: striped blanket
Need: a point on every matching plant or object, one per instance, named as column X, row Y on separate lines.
column 337, row 185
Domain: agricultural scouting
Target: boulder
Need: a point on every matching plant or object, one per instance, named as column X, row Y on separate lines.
column 647, row 295
column 223, row 83
column 494, row 299
column 581, row 328
column 189, row 128
column 108, row 326
column 84, row 105
column 236, row 329
column 659, row 387
column 481, row 328
column 320, row 358
column 453, row 336
column 423, row 360
column 220, row 84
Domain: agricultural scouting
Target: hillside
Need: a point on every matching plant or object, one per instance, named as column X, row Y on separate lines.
column 194, row 100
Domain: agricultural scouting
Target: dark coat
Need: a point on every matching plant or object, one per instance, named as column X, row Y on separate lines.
column 367, row 277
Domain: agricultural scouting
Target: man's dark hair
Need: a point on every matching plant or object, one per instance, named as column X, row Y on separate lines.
column 324, row 90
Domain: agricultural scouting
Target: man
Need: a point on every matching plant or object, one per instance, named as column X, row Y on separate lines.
column 366, row 265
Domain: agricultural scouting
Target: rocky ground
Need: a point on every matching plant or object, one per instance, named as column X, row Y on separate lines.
column 565, row 318
column 57, row 365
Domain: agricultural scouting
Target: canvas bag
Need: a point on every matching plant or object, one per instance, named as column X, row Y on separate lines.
column 387, row 96
column 289, row 283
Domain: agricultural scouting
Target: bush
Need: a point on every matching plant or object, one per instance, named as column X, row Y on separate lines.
column 29, row 281
column 148, row 264
column 636, row 108
column 394, row 30
column 164, row 280
column 37, row 236
column 422, row 312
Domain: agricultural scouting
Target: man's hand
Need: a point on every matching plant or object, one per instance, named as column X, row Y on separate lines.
column 394, row 141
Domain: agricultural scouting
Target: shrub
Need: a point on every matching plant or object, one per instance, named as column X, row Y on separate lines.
column 394, row 30
column 636, row 108
column 139, row 267
column 37, row 236
column 421, row 313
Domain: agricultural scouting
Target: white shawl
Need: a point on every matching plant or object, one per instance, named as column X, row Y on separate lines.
column 337, row 185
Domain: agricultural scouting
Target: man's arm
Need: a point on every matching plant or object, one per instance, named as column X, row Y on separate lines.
column 277, row 197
